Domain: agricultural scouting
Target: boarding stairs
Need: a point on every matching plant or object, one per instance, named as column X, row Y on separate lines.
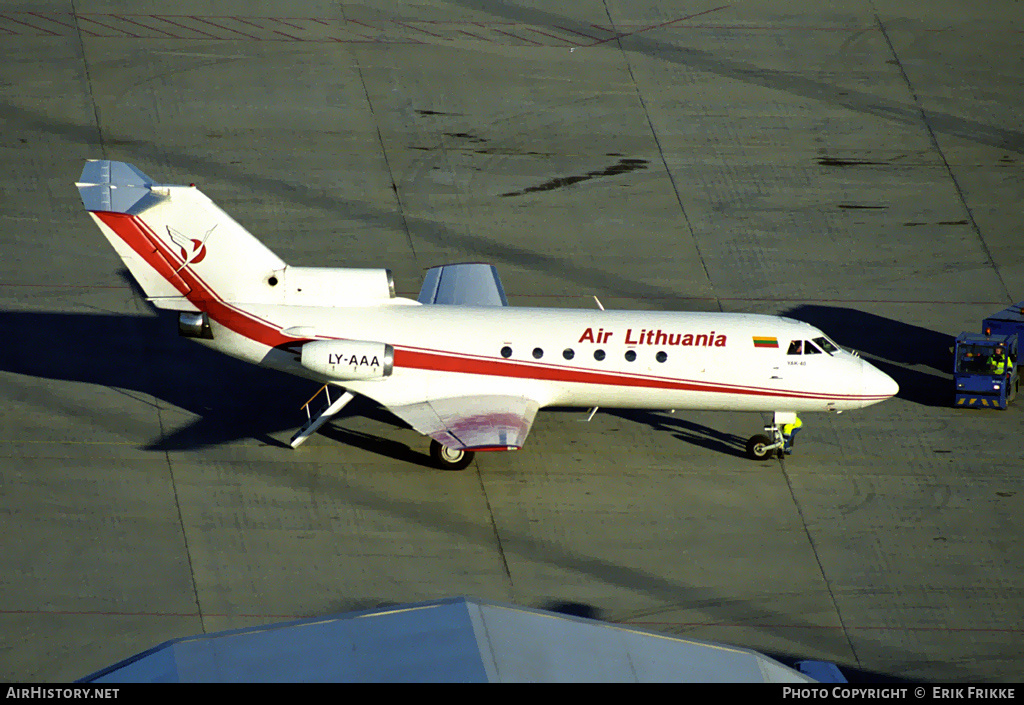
column 314, row 422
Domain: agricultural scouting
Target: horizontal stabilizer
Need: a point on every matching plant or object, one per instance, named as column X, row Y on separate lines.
column 463, row 285
column 115, row 187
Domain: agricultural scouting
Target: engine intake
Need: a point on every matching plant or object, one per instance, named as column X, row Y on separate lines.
column 349, row 359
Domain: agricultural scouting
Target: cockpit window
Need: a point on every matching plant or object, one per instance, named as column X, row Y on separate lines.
column 826, row 345
column 809, row 348
column 796, row 348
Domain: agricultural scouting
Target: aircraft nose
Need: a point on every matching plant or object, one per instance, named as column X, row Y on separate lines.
column 875, row 384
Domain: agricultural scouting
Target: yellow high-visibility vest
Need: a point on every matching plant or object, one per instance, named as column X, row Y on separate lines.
column 790, row 427
column 997, row 365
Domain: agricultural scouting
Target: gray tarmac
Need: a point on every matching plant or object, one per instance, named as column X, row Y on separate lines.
column 859, row 166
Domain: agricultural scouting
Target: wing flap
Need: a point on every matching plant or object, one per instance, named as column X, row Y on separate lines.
column 490, row 422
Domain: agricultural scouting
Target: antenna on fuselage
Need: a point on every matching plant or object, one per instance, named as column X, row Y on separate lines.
column 598, row 302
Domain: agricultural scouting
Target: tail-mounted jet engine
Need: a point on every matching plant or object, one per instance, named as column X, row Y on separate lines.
column 349, row 359
column 194, row 325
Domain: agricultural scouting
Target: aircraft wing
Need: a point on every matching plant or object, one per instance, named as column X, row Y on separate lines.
column 463, row 285
column 482, row 422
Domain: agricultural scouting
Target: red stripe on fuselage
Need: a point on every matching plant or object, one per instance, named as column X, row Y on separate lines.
column 443, row 362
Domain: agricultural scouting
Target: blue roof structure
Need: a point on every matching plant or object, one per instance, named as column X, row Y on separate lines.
column 451, row 640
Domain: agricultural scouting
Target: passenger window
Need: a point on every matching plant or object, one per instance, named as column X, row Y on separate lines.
column 809, row 348
column 506, row 351
column 795, row 348
column 630, row 355
column 661, row 356
column 538, row 353
column 568, row 354
column 599, row 355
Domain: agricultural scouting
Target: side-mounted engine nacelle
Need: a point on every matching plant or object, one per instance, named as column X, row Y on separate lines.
column 349, row 359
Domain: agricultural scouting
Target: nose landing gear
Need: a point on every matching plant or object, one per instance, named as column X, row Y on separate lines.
column 771, row 443
column 765, row 446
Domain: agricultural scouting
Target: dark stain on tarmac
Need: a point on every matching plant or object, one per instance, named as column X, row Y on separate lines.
column 623, row 166
column 834, row 161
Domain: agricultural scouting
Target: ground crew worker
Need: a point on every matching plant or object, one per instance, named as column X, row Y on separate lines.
column 997, row 364
column 789, row 431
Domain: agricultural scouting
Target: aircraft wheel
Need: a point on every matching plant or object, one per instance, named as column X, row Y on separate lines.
column 449, row 459
column 756, row 447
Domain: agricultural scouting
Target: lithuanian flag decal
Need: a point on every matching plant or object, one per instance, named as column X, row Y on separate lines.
column 761, row 341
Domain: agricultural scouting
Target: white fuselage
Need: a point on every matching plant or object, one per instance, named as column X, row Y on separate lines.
column 653, row 360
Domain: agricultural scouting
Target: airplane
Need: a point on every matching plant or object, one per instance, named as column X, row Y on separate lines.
column 458, row 364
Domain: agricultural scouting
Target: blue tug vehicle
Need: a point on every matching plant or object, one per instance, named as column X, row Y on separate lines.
column 985, row 372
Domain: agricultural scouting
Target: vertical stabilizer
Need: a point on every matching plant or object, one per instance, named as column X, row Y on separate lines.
column 181, row 248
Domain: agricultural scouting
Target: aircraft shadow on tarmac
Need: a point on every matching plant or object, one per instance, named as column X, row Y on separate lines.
column 687, row 431
column 892, row 346
column 143, row 353
column 378, row 445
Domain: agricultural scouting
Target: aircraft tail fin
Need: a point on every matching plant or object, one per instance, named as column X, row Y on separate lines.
column 180, row 247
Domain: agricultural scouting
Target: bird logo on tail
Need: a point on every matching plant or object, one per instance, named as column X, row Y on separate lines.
column 192, row 251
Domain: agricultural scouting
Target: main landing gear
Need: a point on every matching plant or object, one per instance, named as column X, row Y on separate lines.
column 449, row 459
column 771, row 443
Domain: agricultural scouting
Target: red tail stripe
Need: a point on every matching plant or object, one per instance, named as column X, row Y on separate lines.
column 148, row 246
column 129, row 230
